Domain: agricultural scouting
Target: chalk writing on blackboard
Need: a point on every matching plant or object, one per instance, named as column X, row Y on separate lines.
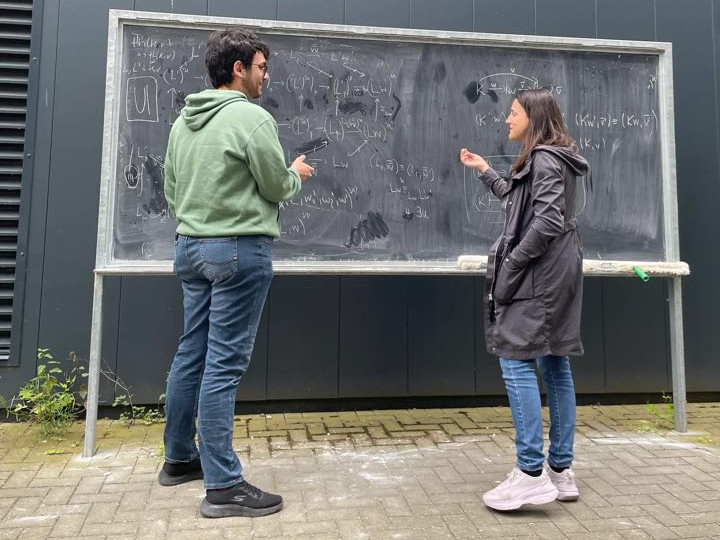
column 382, row 124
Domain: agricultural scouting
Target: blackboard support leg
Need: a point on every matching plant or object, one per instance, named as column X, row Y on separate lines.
column 94, row 368
column 677, row 355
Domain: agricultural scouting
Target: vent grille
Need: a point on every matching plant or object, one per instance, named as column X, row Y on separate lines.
column 15, row 27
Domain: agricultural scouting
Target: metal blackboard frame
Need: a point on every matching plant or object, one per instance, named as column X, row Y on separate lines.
column 105, row 264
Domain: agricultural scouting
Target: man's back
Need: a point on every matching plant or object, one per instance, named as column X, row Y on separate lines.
column 225, row 171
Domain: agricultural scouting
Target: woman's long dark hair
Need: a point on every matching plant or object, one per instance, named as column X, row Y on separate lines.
column 546, row 124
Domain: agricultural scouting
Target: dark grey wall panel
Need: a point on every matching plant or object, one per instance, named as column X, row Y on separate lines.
column 303, row 354
column 441, row 328
column 373, row 336
column 565, row 18
column 108, row 353
column 637, row 20
column 319, row 11
column 456, row 15
column 589, row 369
column 148, row 332
column 488, row 377
column 251, row 9
column 395, row 13
column 688, row 25
column 705, row 368
column 635, row 336
column 505, row 16
column 194, row 7
column 74, row 178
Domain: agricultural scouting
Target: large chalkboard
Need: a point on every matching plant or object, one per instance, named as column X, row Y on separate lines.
column 381, row 115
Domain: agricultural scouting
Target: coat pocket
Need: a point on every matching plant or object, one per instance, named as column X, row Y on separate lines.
column 513, row 283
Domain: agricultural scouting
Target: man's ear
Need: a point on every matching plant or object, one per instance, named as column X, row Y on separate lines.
column 238, row 68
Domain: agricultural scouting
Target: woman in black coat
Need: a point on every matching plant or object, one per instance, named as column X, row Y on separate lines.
column 533, row 293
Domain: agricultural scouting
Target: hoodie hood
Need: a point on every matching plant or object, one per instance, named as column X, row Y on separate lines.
column 577, row 163
column 201, row 108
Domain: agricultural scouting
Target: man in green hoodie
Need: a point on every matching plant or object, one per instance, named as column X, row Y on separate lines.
column 225, row 174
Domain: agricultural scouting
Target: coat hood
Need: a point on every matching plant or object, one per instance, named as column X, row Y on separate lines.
column 577, row 163
column 201, row 108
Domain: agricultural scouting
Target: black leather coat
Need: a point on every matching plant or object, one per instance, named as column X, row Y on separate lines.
column 533, row 288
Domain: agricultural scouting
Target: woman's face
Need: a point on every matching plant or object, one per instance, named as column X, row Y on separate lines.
column 518, row 122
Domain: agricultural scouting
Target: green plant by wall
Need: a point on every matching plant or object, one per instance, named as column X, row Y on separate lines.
column 139, row 413
column 52, row 399
column 663, row 415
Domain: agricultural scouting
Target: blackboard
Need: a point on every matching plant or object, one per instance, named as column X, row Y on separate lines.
column 382, row 116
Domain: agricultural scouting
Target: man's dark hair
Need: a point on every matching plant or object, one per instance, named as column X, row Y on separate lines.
column 225, row 47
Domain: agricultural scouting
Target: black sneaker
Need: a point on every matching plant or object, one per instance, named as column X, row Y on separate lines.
column 242, row 499
column 174, row 474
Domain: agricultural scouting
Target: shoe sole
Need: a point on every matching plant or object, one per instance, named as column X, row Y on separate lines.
column 169, row 480
column 568, row 497
column 534, row 499
column 210, row 510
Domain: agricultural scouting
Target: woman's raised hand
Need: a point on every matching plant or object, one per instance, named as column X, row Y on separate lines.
column 473, row 161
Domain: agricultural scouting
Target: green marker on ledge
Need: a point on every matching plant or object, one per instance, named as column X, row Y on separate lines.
column 639, row 273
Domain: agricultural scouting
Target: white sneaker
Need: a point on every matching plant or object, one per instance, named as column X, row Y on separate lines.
column 565, row 483
column 519, row 489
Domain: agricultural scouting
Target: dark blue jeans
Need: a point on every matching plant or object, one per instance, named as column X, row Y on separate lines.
column 522, row 389
column 225, row 282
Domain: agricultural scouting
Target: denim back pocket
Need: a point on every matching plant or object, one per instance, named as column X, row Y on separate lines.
column 219, row 257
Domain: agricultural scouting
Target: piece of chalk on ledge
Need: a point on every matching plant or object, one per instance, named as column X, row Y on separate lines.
column 639, row 273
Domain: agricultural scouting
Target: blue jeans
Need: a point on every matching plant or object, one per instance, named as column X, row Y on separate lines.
column 524, row 395
column 225, row 282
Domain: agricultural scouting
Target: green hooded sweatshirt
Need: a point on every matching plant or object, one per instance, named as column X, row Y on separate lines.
column 225, row 171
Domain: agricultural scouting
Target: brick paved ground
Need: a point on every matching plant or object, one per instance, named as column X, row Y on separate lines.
column 402, row 474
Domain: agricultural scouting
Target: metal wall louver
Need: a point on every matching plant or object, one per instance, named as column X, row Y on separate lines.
column 15, row 27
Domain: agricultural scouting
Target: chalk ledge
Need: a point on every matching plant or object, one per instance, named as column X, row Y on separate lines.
column 598, row 268
column 464, row 265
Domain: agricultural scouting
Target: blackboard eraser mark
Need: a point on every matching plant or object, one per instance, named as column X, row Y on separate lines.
column 312, row 146
column 308, row 104
column 368, row 229
column 473, row 91
column 270, row 102
column 493, row 96
column 399, row 105
column 350, row 107
column 180, row 99
column 440, row 73
column 407, row 215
